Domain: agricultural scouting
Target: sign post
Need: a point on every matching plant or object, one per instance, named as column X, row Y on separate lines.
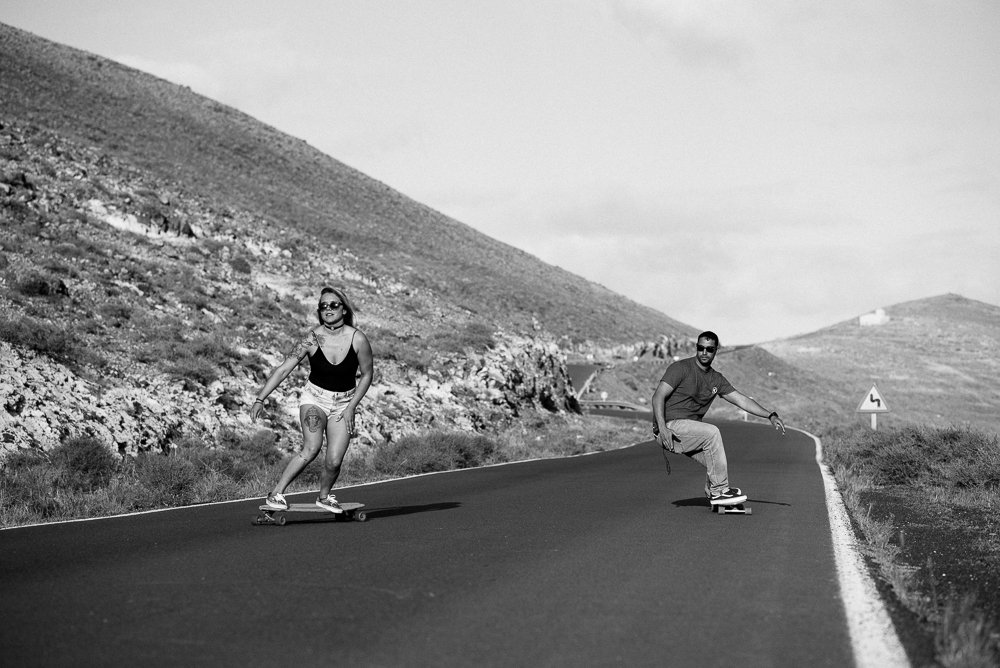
column 873, row 403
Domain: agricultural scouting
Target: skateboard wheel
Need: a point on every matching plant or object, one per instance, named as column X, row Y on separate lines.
column 360, row 516
column 281, row 520
column 257, row 520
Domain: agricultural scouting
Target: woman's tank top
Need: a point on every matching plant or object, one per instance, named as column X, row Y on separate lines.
column 334, row 377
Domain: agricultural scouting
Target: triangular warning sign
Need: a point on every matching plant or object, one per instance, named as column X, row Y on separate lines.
column 873, row 402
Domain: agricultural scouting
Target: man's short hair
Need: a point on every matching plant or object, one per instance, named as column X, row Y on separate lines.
column 709, row 335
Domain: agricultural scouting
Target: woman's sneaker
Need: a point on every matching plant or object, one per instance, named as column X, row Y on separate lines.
column 730, row 497
column 330, row 503
column 276, row 501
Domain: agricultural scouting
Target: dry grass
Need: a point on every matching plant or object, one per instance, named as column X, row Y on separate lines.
column 82, row 479
column 908, row 492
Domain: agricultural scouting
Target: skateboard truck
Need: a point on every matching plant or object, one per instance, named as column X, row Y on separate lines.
column 736, row 509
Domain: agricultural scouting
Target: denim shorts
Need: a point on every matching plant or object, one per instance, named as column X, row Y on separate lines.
column 331, row 403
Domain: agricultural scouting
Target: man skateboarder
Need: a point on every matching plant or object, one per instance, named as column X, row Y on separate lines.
column 681, row 400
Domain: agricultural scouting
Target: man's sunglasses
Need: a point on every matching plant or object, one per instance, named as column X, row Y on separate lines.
column 330, row 306
column 706, row 349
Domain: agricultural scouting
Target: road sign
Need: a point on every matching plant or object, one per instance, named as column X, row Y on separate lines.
column 873, row 402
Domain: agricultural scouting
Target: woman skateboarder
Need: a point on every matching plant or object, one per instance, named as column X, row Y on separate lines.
column 337, row 351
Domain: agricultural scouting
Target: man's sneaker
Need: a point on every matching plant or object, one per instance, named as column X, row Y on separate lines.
column 330, row 503
column 730, row 497
column 276, row 501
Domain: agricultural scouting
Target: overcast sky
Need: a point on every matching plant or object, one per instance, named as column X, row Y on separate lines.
column 763, row 169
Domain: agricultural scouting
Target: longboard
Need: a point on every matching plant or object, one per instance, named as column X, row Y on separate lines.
column 269, row 515
column 737, row 509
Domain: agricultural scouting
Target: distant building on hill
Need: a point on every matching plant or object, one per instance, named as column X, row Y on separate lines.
column 873, row 319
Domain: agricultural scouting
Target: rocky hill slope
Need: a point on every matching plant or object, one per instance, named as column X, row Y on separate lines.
column 161, row 251
column 257, row 185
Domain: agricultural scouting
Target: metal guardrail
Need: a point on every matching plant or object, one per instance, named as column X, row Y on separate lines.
column 610, row 403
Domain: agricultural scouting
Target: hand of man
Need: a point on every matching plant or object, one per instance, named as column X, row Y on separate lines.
column 665, row 438
column 660, row 439
column 778, row 424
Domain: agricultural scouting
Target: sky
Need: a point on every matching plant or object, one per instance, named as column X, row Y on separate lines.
column 762, row 169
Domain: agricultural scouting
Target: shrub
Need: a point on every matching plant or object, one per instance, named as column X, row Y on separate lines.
column 56, row 267
column 38, row 336
column 39, row 285
column 196, row 299
column 257, row 448
column 432, row 451
column 240, row 265
column 217, row 487
column 255, row 362
column 194, row 369
column 117, row 311
column 196, row 360
column 27, row 492
column 240, row 458
column 23, row 459
column 83, row 463
column 213, row 347
column 78, row 249
column 27, row 486
column 168, row 480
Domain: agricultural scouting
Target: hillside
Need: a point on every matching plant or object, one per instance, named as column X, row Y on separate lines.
column 161, row 251
column 296, row 197
column 935, row 362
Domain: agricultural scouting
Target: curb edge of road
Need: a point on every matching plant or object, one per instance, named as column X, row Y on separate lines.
column 873, row 635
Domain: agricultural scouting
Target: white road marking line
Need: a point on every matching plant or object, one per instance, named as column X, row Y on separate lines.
column 873, row 636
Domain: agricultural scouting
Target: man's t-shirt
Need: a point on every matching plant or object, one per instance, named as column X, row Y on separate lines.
column 694, row 390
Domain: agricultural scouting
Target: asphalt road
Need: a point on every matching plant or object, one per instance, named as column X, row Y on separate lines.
column 588, row 561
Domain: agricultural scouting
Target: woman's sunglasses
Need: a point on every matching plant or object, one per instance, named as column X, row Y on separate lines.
column 330, row 306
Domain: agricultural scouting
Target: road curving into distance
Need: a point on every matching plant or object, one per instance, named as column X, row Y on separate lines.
column 586, row 561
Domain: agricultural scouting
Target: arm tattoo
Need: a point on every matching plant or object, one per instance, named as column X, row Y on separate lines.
column 302, row 349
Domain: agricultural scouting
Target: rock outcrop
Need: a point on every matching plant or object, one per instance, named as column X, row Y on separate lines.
column 45, row 402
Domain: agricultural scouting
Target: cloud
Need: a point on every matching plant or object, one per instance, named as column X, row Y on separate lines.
column 763, row 169
column 696, row 32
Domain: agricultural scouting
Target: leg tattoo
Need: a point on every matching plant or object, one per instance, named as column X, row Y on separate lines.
column 315, row 420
